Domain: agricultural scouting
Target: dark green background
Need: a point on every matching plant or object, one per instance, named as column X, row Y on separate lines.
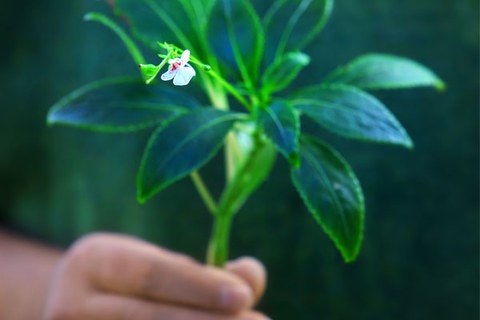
column 420, row 255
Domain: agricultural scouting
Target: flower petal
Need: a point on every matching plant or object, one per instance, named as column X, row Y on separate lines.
column 190, row 69
column 169, row 75
column 185, row 57
column 184, row 75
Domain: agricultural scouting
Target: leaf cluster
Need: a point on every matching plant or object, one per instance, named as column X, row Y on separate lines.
column 254, row 59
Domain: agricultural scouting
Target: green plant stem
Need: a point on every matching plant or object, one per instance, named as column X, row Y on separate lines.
column 217, row 253
column 230, row 89
column 216, row 95
column 249, row 174
column 231, row 153
column 204, row 192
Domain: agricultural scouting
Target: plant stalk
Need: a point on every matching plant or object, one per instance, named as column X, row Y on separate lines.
column 217, row 253
column 204, row 192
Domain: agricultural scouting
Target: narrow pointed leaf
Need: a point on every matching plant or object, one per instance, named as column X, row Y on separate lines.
column 293, row 24
column 159, row 20
column 180, row 147
column 237, row 37
column 352, row 113
column 333, row 195
column 281, row 124
column 202, row 9
column 119, row 105
column 124, row 37
column 208, row 5
column 382, row 71
column 283, row 71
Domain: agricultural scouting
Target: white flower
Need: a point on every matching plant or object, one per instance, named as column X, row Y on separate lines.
column 180, row 71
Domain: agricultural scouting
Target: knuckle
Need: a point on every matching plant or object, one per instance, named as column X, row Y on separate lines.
column 148, row 276
column 83, row 253
column 84, row 246
column 92, row 239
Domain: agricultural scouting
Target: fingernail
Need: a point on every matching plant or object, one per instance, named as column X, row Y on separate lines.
column 236, row 298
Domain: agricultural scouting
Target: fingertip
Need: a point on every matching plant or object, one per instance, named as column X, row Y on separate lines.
column 254, row 315
column 252, row 271
column 236, row 298
column 246, row 259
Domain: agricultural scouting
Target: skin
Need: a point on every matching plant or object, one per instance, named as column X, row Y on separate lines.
column 108, row 276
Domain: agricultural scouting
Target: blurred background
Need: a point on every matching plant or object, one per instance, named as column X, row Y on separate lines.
column 420, row 257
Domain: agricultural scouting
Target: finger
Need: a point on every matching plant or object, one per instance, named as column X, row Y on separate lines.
column 110, row 307
column 132, row 267
column 252, row 272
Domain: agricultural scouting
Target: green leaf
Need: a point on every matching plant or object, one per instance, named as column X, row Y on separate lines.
column 333, row 195
column 254, row 168
column 293, row 24
column 351, row 113
column 283, row 71
column 159, row 20
column 180, row 147
column 238, row 38
column 199, row 10
column 127, row 41
column 281, row 124
column 382, row 71
column 119, row 105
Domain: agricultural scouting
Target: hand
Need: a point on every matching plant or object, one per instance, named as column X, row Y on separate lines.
column 105, row 276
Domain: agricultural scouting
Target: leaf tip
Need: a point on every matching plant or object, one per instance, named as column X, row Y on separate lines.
column 144, row 192
column 294, row 159
column 89, row 16
column 303, row 59
column 408, row 143
column 404, row 140
column 50, row 120
column 440, row 85
column 349, row 258
column 351, row 253
column 142, row 197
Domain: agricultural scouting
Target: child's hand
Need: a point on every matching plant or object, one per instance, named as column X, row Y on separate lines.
column 106, row 276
